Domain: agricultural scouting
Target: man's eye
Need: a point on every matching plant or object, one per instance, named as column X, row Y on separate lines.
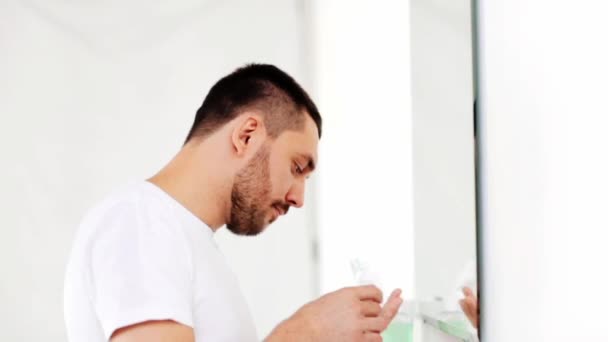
column 298, row 169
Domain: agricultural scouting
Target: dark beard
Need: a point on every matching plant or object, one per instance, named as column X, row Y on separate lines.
column 251, row 196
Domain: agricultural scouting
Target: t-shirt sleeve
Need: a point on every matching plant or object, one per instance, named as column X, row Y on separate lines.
column 140, row 270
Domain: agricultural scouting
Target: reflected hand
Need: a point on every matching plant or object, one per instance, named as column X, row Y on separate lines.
column 469, row 305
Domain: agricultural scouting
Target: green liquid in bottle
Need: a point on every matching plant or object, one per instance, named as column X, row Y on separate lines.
column 399, row 332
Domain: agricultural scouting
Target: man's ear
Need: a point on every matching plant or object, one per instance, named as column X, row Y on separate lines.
column 247, row 133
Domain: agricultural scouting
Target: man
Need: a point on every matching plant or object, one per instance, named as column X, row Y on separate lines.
column 144, row 266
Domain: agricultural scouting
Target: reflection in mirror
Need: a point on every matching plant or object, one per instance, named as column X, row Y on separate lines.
column 396, row 191
column 444, row 170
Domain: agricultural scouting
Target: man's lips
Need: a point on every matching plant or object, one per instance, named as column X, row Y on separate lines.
column 280, row 210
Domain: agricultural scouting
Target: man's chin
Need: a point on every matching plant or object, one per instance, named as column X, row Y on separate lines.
column 254, row 232
column 249, row 231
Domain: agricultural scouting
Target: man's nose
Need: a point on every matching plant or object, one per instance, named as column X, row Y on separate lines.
column 295, row 196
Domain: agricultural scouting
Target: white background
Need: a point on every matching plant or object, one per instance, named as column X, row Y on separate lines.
column 365, row 180
column 544, row 117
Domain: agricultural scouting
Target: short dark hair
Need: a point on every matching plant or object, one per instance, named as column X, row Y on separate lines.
column 263, row 87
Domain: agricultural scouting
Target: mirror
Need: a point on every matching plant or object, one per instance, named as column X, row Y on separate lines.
column 396, row 183
column 444, row 164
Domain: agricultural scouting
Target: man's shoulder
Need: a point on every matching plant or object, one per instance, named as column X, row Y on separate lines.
column 132, row 197
column 131, row 204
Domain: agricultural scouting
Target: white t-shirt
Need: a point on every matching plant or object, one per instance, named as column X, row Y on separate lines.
column 140, row 256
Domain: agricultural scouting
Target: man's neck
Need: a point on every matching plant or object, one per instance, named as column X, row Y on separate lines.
column 201, row 190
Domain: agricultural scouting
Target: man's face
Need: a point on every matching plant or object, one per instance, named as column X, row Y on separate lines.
column 273, row 180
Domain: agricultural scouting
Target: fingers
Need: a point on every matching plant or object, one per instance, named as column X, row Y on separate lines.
column 466, row 308
column 368, row 292
column 469, row 307
column 391, row 307
column 374, row 324
column 469, row 304
column 370, row 308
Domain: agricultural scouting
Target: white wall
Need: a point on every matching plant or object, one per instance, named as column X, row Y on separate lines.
column 543, row 128
column 94, row 94
column 444, row 175
column 362, row 82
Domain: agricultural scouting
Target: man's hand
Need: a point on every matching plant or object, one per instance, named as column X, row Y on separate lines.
column 350, row 314
column 470, row 307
